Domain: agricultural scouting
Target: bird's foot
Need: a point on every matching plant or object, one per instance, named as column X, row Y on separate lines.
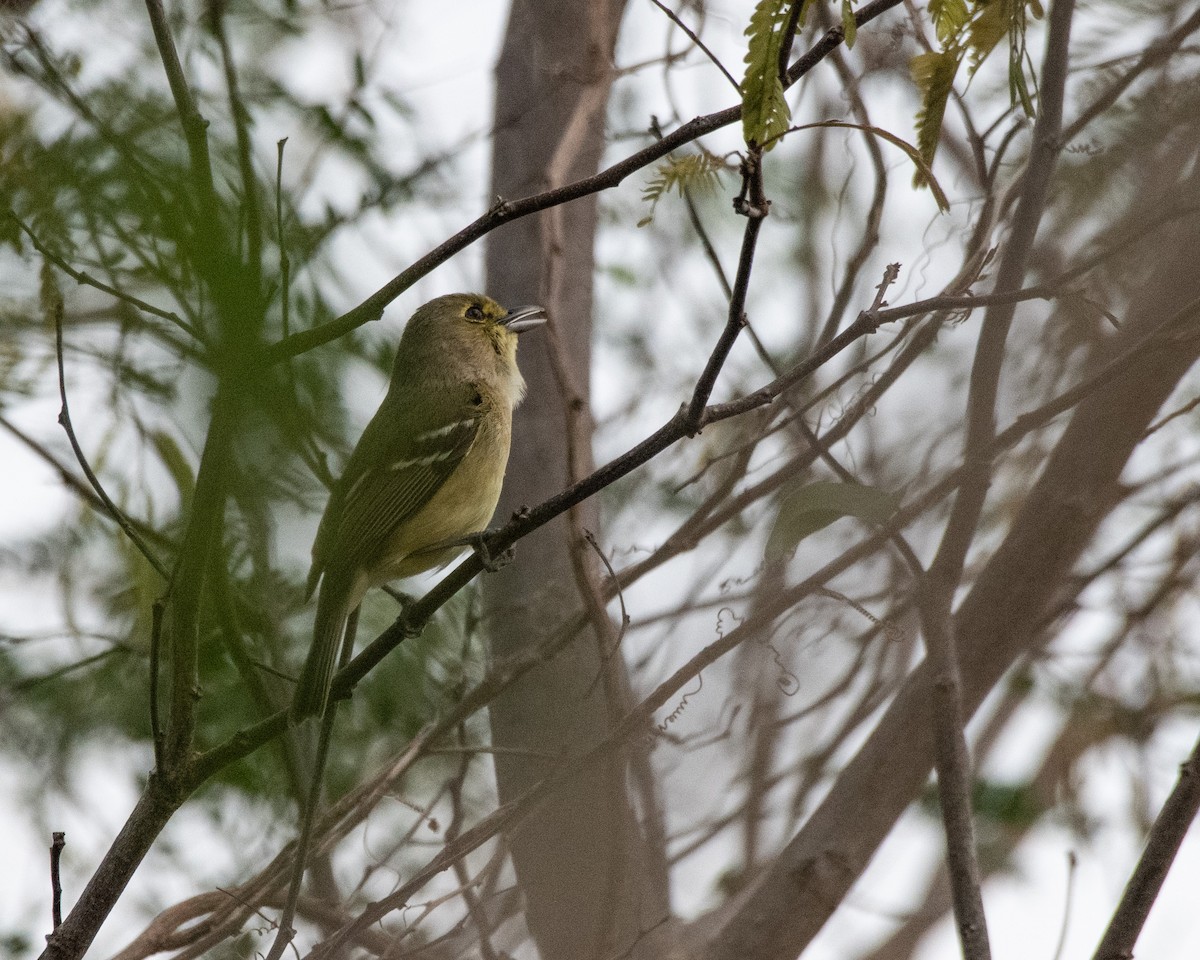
column 408, row 630
column 491, row 563
column 406, row 600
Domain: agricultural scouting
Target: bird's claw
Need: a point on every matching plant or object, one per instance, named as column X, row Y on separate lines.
column 491, row 563
column 501, row 560
column 408, row 630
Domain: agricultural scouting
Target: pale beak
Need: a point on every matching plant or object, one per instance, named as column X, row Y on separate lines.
column 523, row 318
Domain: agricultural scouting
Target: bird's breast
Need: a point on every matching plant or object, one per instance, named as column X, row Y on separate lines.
column 463, row 505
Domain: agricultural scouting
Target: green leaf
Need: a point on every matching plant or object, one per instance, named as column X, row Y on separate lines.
column 989, row 27
column 177, row 465
column 1006, row 804
column 1018, row 88
column 968, row 32
column 949, row 18
column 849, row 24
column 765, row 112
column 815, row 506
column 934, row 75
column 698, row 171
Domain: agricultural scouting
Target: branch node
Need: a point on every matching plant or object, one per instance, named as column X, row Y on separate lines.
column 501, row 208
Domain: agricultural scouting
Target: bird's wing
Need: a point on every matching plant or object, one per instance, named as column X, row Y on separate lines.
column 404, row 456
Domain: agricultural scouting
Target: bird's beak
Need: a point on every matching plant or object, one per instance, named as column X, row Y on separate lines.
column 523, row 318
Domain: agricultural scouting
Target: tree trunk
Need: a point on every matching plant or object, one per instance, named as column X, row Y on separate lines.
column 579, row 859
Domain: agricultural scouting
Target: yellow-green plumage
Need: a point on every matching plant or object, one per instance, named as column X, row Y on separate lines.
column 427, row 470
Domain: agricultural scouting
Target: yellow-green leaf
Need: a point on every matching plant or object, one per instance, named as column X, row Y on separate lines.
column 696, row 171
column 987, row 29
column 949, row 17
column 934, row 75
column 815, row 506
column 177, row 465
column 765, row 112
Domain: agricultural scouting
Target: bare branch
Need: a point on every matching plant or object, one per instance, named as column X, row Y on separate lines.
column 64, row 418
column 58, row 841
column 505, row 211
column 694, row 37
column 1162, row 845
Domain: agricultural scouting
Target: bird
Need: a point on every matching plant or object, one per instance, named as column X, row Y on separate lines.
column 426, row 474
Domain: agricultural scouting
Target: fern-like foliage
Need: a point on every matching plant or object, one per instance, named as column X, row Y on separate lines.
column 765, row 113
column 950, row 18
column 969, row 30
column 694, row 171
column 934, row 74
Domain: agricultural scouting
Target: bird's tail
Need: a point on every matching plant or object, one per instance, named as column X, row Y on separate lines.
column 329, row 630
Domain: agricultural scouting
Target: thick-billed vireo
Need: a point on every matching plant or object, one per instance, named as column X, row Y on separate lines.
column 426, row 473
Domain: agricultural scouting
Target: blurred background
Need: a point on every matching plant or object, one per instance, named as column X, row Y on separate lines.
column 340, row 143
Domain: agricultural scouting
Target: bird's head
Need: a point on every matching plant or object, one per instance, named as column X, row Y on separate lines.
column 470, row 321
column 466, row 334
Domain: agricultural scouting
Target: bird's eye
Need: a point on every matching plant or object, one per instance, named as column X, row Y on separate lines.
column 474, row 312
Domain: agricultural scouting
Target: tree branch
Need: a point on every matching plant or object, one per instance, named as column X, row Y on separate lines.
column 1166, row 836
column 64, row 418
column 951, row 754
column 505, row 211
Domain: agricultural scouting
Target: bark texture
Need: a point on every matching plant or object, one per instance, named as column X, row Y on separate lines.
column 579, row 858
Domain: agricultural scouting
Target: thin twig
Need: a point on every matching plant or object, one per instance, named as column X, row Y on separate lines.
column 195, row 127
column 86, row 279
column 156, row 730
column 1162, row 845
column 1173, row 415
column 58, row 840
column 674, row 17
column 1068, row 901
column 475, row 909
column 870, row 232
column 64, row 418
column 952, row 760
column 245, row 156
column 505, row 211
column 80, row 487
column 616, row 586
column 789, row 37
column 285, row 263
column 951, row 755
column 753, row 204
